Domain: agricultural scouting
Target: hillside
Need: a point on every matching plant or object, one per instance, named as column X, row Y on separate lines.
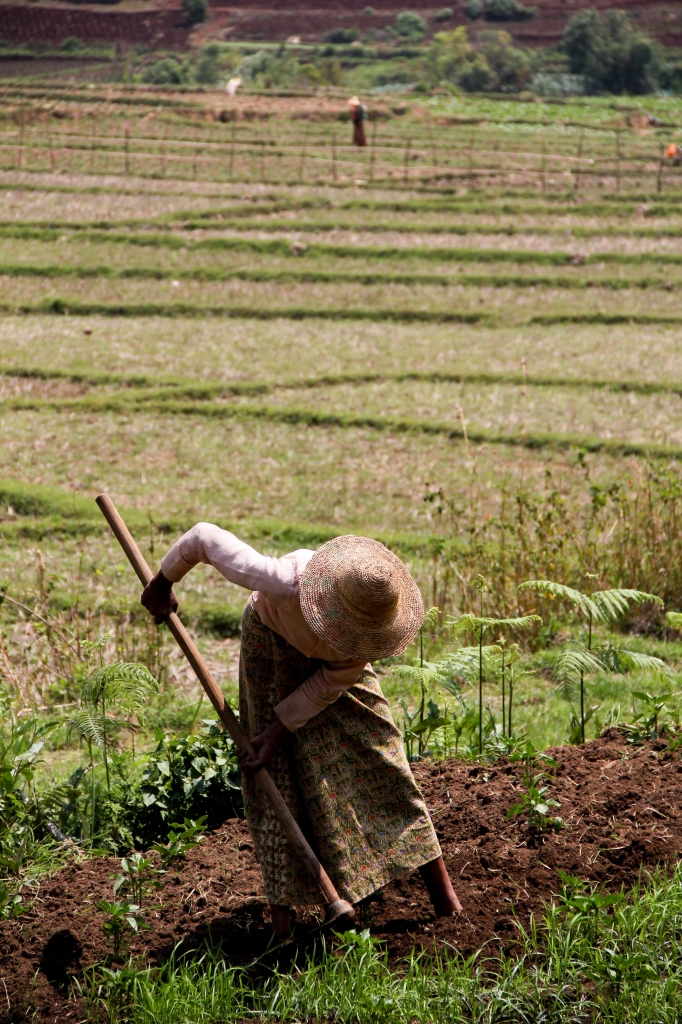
column 160, row 25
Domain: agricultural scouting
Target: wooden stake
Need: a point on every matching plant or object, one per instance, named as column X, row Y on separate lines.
column 334, row 155
column 618, row 158
column 162, row 166
column 578, row 159
column 661, row 165
column 92, row 148
column 407, row 157
column 434, row 154
column 53, row 158
column 372, row 147
column 232, row 138
column 543, row 176
column 127, row 151
column 336, row 907
column 471, row 156
column 304, row 150
column 20, row 151
column 262, row 158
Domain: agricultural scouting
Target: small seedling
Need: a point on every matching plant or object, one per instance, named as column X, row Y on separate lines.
column 181, row 839
column 138, row 877
column 120, row 919
column 535, row 802
column 646, row 723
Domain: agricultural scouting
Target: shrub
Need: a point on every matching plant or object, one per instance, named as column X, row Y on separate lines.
column 410, row 26
column 188, row 778
column 368, row 11
column 493, row 64
column 342, row 35
column 610, row 53
column 195, row 11
column 444, row 14
column 478, row 76
column 510, row 66
column 473, row 9
column 508, row 10
column 71, row 45
column 168, row 71
column 208, row 65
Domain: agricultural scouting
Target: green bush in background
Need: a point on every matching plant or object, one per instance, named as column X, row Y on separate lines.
column 611, row 54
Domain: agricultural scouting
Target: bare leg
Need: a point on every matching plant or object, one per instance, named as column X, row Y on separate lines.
column 437, row 881
column 281, row 920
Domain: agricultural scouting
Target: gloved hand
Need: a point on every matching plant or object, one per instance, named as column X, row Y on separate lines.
column 159, row 598
column 266, row 746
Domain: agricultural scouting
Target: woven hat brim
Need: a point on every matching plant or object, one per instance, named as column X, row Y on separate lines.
column 330, row 621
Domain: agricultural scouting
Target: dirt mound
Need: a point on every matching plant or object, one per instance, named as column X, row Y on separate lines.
column 620, row 806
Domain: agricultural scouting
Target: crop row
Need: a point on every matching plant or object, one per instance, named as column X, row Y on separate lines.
column 55, row 271
column 198, row 390
column 169, row 405
column 283, row 247
column 73, row 307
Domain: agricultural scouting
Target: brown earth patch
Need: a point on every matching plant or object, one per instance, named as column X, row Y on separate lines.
column 620, row 805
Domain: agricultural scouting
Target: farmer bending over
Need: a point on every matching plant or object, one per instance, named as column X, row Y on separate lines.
column 314, row 710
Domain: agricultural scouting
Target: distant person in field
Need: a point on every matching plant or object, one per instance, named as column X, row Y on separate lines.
column 313, row 707
column 232, row 86
column 674, row 154
column 358, row 114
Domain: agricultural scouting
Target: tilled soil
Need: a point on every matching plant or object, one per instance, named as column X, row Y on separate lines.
column 621, row 810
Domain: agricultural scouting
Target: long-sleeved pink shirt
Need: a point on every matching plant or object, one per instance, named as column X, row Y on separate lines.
column 275, row 582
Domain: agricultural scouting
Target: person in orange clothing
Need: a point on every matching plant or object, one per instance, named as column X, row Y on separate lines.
column 674, row 154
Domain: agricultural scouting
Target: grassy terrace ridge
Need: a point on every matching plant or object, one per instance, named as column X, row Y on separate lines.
column 55, row 271
column 188, row 388
column 167, row 404
column 42, row 511
column 61, row 307
column 64, row 307
column 312, row 227
column 282, row 247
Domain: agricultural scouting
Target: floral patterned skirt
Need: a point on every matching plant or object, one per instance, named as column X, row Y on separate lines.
column 344, row 776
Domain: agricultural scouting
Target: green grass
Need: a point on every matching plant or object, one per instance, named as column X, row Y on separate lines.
column 560, row 972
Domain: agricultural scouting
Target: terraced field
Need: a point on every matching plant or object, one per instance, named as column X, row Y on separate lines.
column 248, row 321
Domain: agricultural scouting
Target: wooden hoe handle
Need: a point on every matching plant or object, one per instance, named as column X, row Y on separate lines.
column 336, row 907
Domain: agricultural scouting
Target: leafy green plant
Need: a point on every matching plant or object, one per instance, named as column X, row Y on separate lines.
column 479, row 625
column 120, row 919
column 578, row 660
column 19, row 756
column 11, row 903
column 181, row 839
column 534, row 801
column 645, row 724
column 189, row 777
column 586, row 904
column 125, row 686
column 138, row 876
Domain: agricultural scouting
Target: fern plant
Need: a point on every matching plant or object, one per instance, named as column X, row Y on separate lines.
column 479, row 625
column 601, row 607
column 427, row 675
column 125, row 686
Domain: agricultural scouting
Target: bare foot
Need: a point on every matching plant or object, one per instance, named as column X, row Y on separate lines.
column 281, row 920
column 437, row 881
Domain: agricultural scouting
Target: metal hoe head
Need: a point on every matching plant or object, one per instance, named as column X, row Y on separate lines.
column 337, row 910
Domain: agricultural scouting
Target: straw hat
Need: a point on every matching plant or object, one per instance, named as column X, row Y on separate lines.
column 354, row 102
column 359, row 598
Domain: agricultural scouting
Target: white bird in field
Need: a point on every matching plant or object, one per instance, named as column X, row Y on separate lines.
column 232, row 86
